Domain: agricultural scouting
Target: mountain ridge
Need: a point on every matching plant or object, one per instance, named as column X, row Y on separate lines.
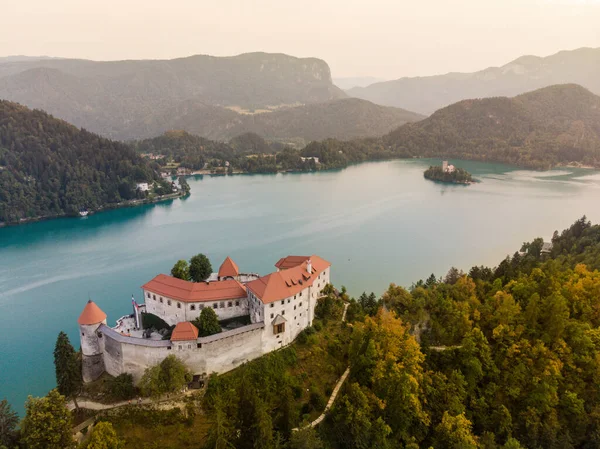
column 426, row 94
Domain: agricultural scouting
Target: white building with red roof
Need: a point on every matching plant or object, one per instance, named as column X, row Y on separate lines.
column 279, row 306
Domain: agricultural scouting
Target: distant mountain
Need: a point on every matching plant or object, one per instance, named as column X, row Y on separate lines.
column 343, row 119
column 540, row 129
column 429, row 93
column 106, row 97
column 357, row 81
column 49, row 167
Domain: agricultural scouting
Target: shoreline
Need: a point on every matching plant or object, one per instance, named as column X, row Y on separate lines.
column 121, row 205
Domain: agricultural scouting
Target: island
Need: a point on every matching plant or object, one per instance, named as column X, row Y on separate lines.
column 448, row 174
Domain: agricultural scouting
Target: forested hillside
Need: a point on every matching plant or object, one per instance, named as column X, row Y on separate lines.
column 509, row 357
column 426, row 94
column 49, row 167
column 555, row 125
column 116, row 99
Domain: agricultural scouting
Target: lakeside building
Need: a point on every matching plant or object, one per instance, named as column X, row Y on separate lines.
column 279, row 306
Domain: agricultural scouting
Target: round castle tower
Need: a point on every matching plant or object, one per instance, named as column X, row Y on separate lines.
column 89, row 321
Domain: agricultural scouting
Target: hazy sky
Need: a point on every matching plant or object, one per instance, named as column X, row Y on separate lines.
column 382, row 38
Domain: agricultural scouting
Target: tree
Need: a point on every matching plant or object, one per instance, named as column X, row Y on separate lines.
column 454, row 432
column 207, row 323
column 254, row 423
column 68, row 368
column 8, row 424
column 200, row 268
column 305, row 439
column 453, row 276
column 221, row 434
column 104, row 437
column 47, row 423
column 169, row 376
column 121, row 387
column 181, row 270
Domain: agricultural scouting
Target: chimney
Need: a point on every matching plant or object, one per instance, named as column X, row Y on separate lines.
column 309, row 266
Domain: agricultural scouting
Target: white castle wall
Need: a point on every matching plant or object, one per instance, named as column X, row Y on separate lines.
column 218, row 353
column 174, row 311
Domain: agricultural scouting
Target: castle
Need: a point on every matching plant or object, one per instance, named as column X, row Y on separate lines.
column 279, row 306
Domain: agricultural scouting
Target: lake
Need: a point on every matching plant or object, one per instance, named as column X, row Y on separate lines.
column 376, row 222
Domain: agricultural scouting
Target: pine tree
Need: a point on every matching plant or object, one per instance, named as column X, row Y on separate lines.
column 68, row 368
column 8, row 424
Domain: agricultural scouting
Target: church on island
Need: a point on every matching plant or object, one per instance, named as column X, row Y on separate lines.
column 277, row 306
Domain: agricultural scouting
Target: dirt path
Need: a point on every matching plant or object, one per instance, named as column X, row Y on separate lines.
column 91, row 405
column 336, row 390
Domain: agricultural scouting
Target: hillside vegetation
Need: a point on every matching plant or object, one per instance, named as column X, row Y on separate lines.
column 273, row 95
column 343, row 119
column 426, row 94
column 49, row 167
column 540, row 129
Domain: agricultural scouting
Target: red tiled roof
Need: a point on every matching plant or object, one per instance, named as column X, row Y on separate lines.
column 290, row 262
column 195, row 291
column 286, row 283
column 92, row 314
column 228, row 268
column 184, row 331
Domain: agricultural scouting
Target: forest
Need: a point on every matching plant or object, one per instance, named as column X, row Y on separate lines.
column 505, row 357
column 51, row 168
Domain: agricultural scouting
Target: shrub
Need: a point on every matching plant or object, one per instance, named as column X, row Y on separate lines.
column 121, row 387
column 317, row 401
column 317, row 325
column 169, row 376
column 151, row 321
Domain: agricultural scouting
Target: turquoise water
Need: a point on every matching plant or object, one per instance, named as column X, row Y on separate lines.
column 377, row 223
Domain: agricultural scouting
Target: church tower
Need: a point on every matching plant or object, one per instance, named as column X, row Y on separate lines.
column 89, row 321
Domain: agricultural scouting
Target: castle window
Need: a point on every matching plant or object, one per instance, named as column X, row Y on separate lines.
column 201, row 306
column 189, row 346
column 279, row 328
column 300, row 293
column 168, row 302
column 294, row 307
column 272, row 304
column 148, row 294
column 199, row 345
column 289, row 300
column 215, row 305
column 82, row 334
column 192, row 307
column 168, row 348
column 295, row 296
column 161, row 299
column 283, row 312
column 154, row 297
column 237, row 303
column 300, row 304
column 179, row 305
column 283, row 301
column 229, row 304
column 271, row 318
column 221, row 304
column 180, row 347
